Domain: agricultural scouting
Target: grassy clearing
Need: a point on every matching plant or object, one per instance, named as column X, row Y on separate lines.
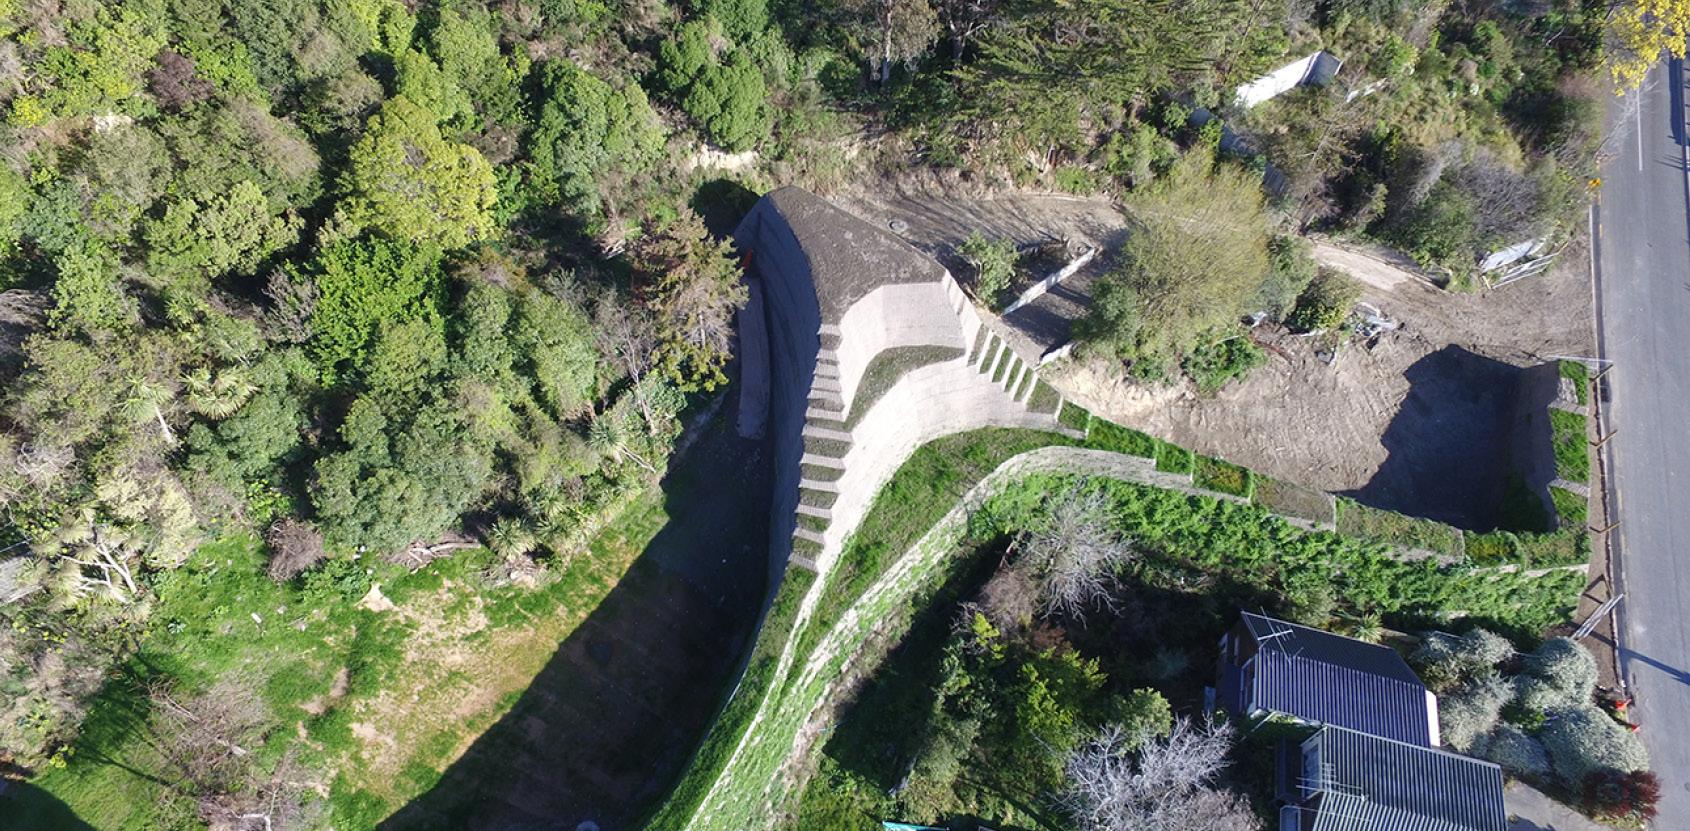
column 1076, row 417
column 1365, row 522
column 1572, row 449
column 376, row 702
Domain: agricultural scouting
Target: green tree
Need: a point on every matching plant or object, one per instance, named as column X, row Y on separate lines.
column 408, row 182
column 362, row 284
column 994, row 266
column 693, row 286
column 400, row 478
column 420, row 80
column 1047, row 63
column 729, row 99
column 588, row 132
column 1195, row 256
column 217, row 234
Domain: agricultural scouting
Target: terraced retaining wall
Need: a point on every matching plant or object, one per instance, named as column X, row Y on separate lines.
column 836, row 293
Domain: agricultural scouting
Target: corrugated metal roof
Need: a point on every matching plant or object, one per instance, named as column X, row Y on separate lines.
column 1370, row 783
column 1324, row 678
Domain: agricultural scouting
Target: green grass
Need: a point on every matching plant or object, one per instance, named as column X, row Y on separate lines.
column 1291, row 500
column 1566, row 547
column 1043, row 398
column 917, row 496
column 741, row 707
column 1493, row 548
column 1076, row 417
column 1579, row 374
column 1107, row 435
column 202, row 630
column 1225, row 477
column 1229, row 541
column 884, row 370
column 1369, row 523
column 1571, row 509
column 1171, row 458
column 1572, row 449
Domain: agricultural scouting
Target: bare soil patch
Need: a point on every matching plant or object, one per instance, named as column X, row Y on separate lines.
column 1299, row 418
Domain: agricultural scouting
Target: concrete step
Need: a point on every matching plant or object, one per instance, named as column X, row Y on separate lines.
column 827, row 413
column 828, row 329
column 827, row 371
column 825, row 385
column 827, row 401
column 823, row 485
column 812, row 510
column 803, row 533
column 821, row 461
column 830, row 342
column 817, row 431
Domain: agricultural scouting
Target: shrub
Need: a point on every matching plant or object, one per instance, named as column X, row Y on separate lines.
column 994, row 266
column 294, row 547
column 1325, row 303
column 1583, row 740
column 1212, row 366
column 1291, row 269
column 1565, row 666
column 1467, row 716
column 1611, row 794
column 1521, row 756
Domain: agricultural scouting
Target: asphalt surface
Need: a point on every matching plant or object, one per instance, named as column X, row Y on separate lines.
column 1643, row 279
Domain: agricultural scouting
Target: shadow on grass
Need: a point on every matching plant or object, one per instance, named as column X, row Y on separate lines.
column 24, row 807
column 609, row 723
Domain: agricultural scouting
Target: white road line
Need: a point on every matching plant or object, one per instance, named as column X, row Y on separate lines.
column 1637, row 113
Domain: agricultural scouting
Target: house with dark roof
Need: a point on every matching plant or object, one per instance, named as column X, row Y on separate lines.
column 1343, row 780
column 1273, row 668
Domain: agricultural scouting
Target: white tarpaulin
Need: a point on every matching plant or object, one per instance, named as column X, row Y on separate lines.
column 1317, row 69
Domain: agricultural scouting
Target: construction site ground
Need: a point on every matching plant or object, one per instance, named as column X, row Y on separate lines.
column 1424, row 403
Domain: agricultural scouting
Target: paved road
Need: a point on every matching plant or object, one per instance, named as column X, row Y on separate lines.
column 1644, row 312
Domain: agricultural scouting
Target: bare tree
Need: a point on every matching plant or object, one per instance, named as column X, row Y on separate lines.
column 1166, row 785
column 1075, row 555
column 207, row 740
column 963, row 19
column 627, row 337
column 294, row 547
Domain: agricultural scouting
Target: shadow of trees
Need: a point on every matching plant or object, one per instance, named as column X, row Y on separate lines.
column 24, row 807
column 608, row 724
